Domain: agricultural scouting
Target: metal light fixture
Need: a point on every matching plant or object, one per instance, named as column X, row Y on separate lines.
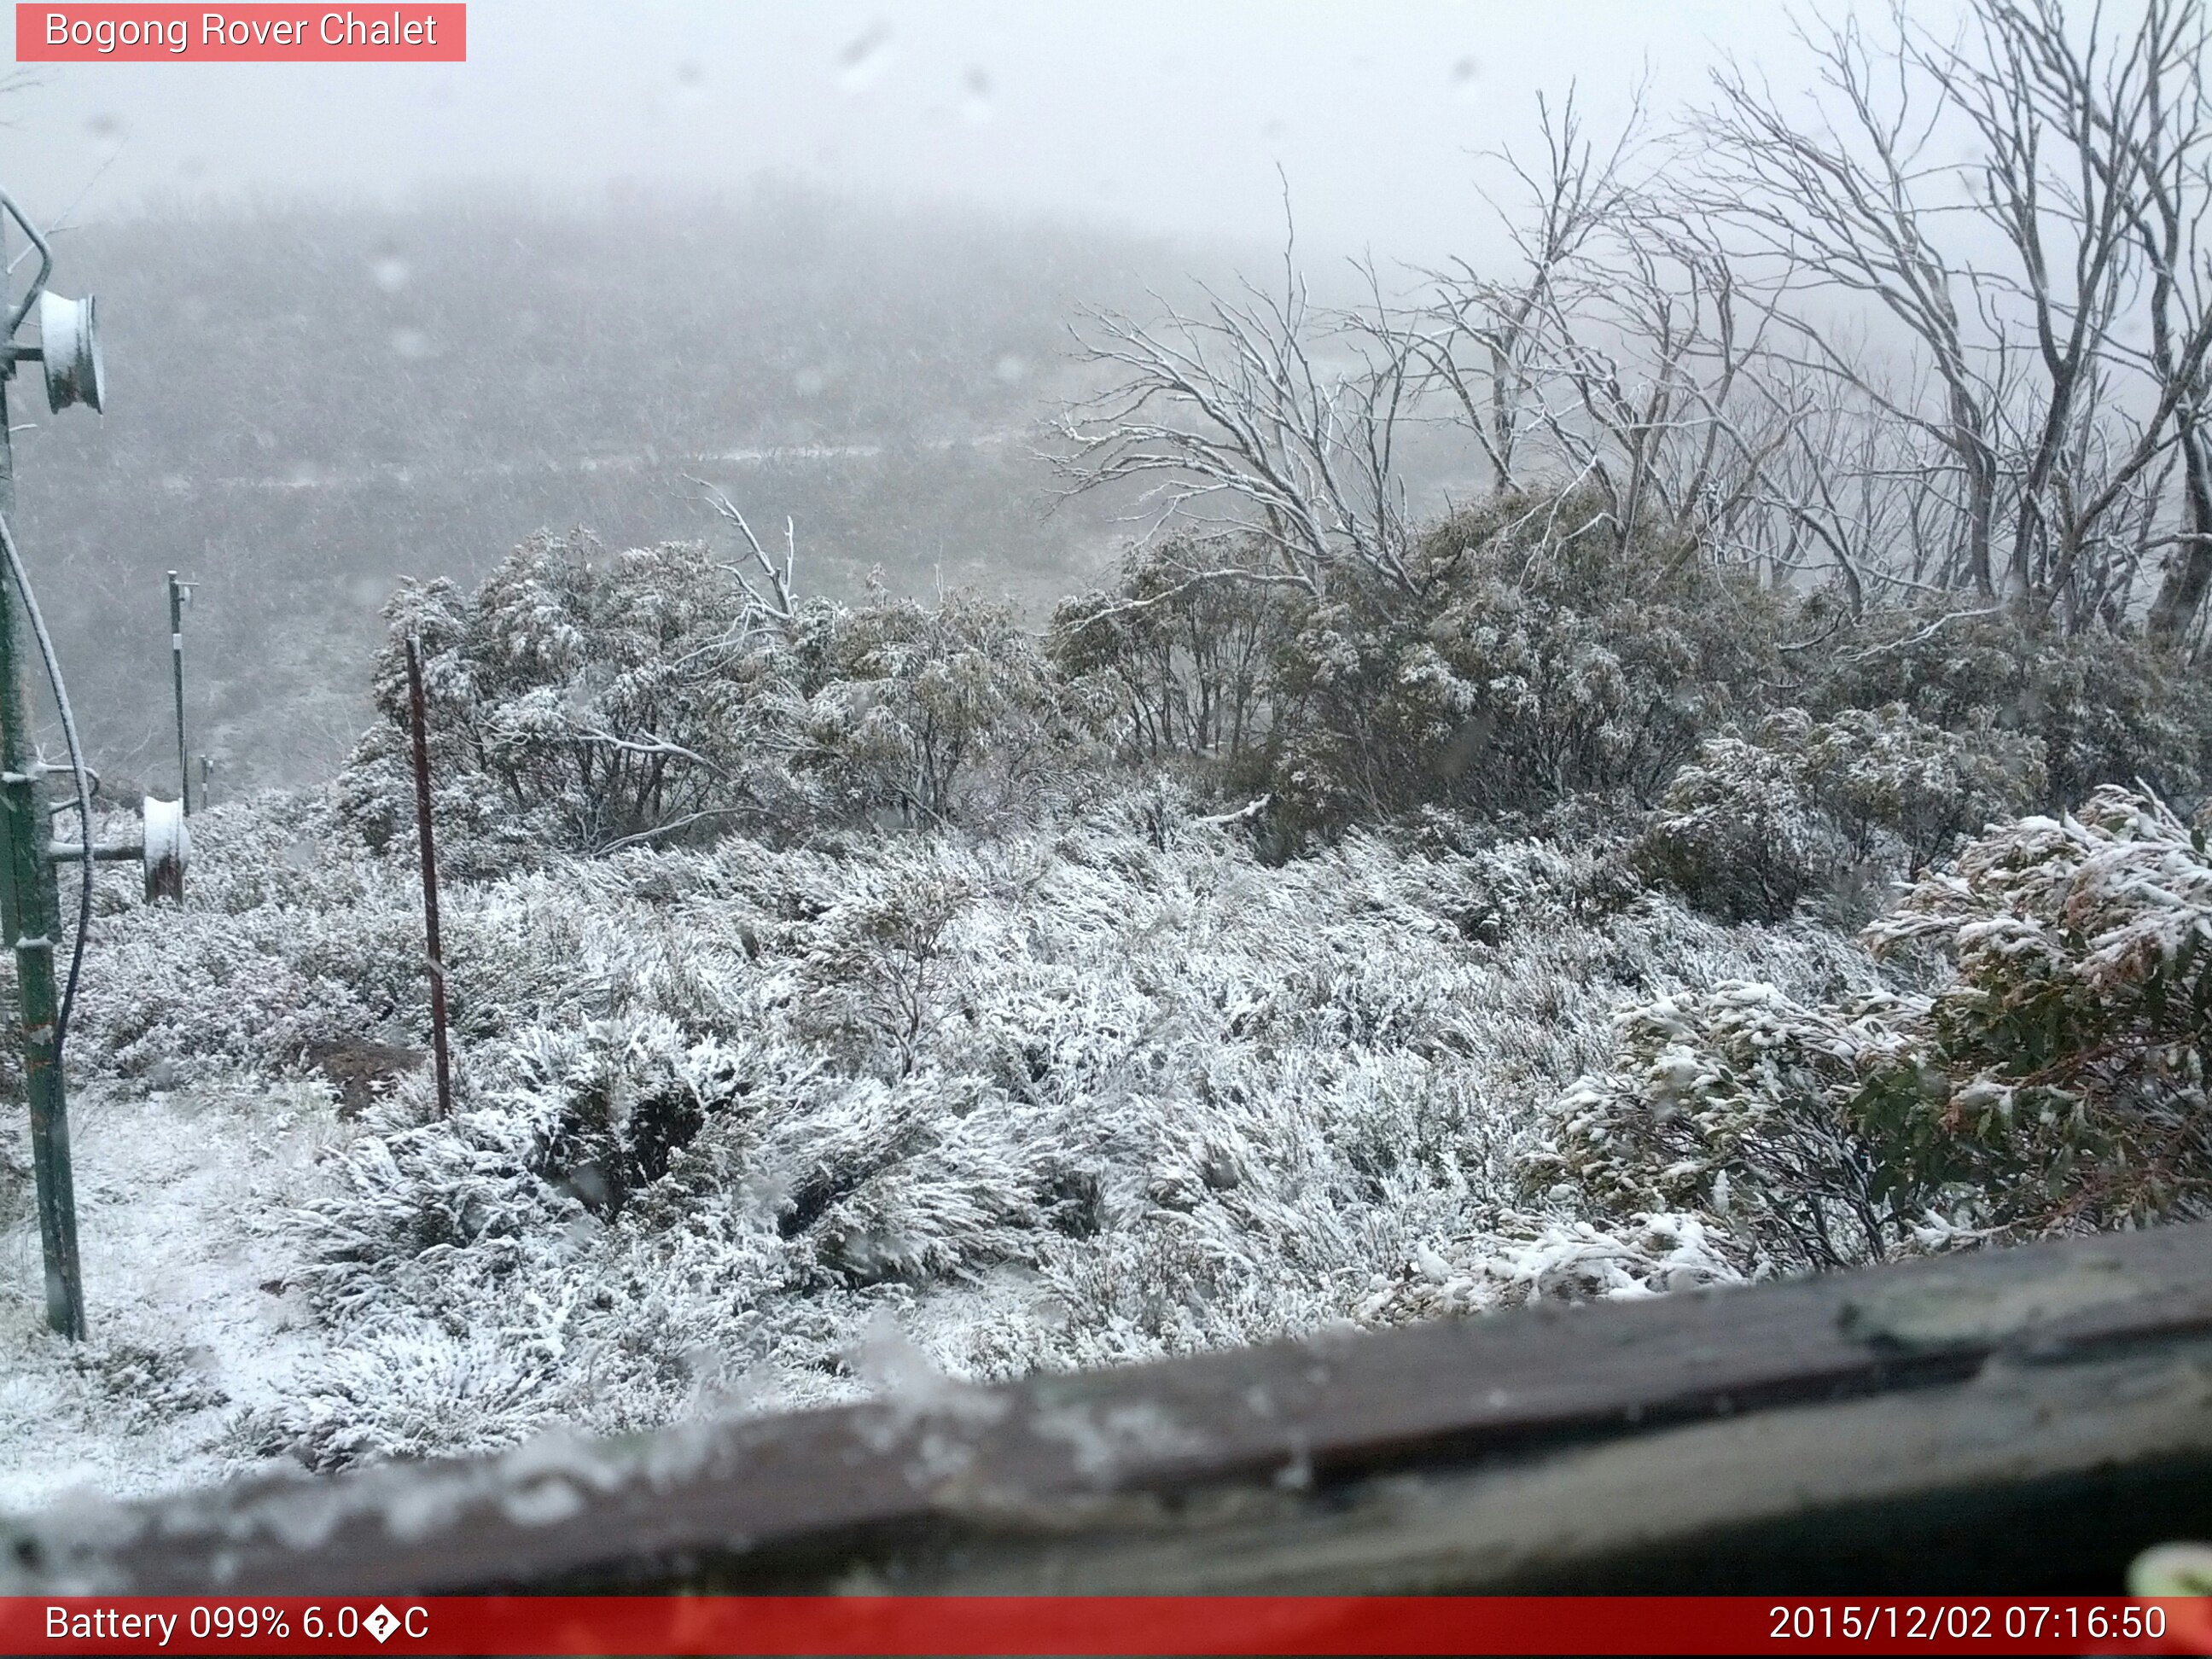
column 69, row 344
column 166, row 847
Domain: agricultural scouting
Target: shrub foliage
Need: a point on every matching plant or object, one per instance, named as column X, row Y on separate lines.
column 2052, row 1080
column 1233, row 955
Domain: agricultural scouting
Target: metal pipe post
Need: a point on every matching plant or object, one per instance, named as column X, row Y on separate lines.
column 415, row 706
column 177, row 674
column 30, row 914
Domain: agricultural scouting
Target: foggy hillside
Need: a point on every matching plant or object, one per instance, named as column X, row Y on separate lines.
column 309, row 401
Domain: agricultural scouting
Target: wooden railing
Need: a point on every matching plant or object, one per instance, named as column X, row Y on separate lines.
column 2023, row 1420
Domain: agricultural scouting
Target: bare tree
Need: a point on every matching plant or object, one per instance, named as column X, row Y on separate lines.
column 1625, row 355
column 1841, row 199
column 1261, row 413
column 2065, row 116
column 2085, row 168
column 1661, row 388
column 1710, row 351
column 2171, row 159
column 1853, row 493
column 1483, row 339
column 778, row 605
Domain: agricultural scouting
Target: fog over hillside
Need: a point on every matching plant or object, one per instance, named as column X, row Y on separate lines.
column 311, row 400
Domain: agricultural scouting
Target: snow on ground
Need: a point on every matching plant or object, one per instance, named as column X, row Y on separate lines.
column 734, row 1126
column 190, row 1320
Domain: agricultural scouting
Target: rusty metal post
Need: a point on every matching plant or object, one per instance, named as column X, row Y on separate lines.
column 421, row 720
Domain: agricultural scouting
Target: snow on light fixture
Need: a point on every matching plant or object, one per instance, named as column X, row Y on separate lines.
column 70, row 341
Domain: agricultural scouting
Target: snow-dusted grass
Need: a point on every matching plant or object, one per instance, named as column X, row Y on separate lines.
column 179, row 1196
column 1066, row 1098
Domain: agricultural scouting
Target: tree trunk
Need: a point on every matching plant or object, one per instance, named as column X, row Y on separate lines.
column 2189, row 572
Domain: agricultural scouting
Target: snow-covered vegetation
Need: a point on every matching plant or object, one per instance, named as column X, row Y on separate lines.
column 1757, row 832
column 829, row 979
column 1084, row 1092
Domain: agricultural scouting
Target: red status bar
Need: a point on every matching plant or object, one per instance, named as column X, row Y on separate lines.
column 1101, row 1624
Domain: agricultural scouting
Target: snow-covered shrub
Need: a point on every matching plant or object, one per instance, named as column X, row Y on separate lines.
column 2076, row 1035
column 17, row 1193
column 1532, row 666
column 1538, row 1258
column 1526, row 657
column 148, row 1384
column 411, row 1200
column 577, row 699
column 1185, row 665
column 183, row 993
column 1736, row 835
column 918, row 707
column 1755, row 824
column 875, row 974
column 2053, row 1081
column 618, row 1100
column 583, row 701
column 407, row 1391
column 1742, row 1104
column 2107, row 707
column 1885, row 777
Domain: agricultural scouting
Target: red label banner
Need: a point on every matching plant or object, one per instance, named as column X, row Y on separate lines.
column 1101, row 1624
column 370, row 33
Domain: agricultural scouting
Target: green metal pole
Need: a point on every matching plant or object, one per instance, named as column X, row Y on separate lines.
column 177, row 673
column 30, row 915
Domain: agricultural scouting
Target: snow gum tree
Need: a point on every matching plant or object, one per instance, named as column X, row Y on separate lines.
column 585, row 702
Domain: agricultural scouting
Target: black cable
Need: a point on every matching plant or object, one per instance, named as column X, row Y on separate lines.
column 77, row 765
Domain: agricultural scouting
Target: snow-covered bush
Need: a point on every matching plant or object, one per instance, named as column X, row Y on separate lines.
column 1736, row 835
column 252, row 970
column 2107, row 707
column 875, row 977
column 917, row 708
column 1536, row 662
column 2053, row 1080
column 615, row 1101
column 579, row 699
column 412, row 1200
column 411, row 1392
column 1538, row 1258
column 1185, row 665
column 1526, row 658
column 1754, row 824
column 2076, row 1035
column 1889, row 781
column 1741, row 1103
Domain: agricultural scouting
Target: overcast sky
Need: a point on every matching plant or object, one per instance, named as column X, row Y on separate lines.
column 1166, row 115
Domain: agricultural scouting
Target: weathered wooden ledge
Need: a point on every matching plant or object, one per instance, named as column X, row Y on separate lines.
column 2022, row 1419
